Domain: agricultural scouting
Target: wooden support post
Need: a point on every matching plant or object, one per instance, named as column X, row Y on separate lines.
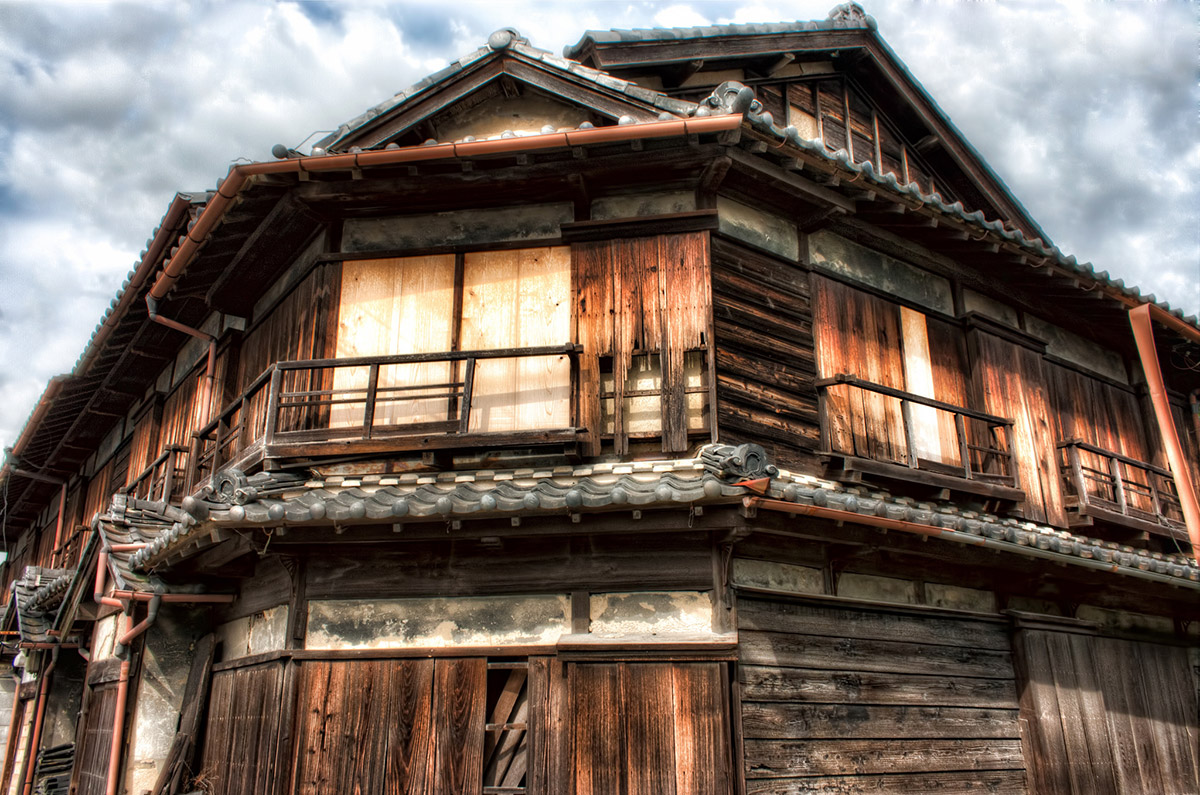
column 272, row 419
column 909, row 442
column 369, row 408
column 964, row 446
column 464, row 412
column 1114, row 468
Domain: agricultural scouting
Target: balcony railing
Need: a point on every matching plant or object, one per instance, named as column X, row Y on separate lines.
column 163, row 478
column 891, row 433
column 1101, row 484
column 389, row 403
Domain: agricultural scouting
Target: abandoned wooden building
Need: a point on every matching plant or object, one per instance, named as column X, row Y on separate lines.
column 693, row 413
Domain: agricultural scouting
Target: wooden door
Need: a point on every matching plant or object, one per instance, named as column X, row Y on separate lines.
column 649, row 728
column 241, row 740
column 95, row 740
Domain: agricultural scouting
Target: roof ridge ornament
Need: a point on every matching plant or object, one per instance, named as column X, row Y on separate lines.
column 504, row 37
column 851, row 15
column 734, row 97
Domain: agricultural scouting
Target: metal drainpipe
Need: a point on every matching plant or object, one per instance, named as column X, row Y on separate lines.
column 118, row 730
column 1194, row 399
column 30, row 766
column 1143, row 335
column 62, row 508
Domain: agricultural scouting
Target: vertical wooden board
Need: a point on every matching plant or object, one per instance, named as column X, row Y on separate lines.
column 1043, row 442
column 918, row 379
column 91, row 758
column 1046, row 757
column 1080, row 654
column 838, row 426
column 649, row 715
column 543, row 383
column 459, row 704
column 394, row 306
column 1170, row 712
column 685, row 304
column 409, row 727
column 515, row 299
column 314, row 699
column 702, row 754
column 597, row 728
column 1119, row 712
column 591, row 274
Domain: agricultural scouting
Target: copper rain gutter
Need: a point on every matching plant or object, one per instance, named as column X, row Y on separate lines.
column 239, row 175
column 1143, row 335
column 29, row 768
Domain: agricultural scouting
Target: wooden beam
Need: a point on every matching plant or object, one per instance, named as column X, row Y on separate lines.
column 808, row 188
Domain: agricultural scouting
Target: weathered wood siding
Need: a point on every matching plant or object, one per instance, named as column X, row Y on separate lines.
column 765, row 362
column 649, row 728
column 1010, row 381
column 241, row 741
column 95, row 741
column 1097, row 412
column 1107, row 716
column 844, row 699
column 645, row 295
column 301, row 326
column 391, row 726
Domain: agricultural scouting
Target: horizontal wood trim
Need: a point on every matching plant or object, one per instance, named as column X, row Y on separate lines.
column 978, row 322
column 787, row 758
column 1000, row 782
column 641, row 226
column 924, row 476
column 104, row 671
column 763, row 720
column 836, row 622
column 392, row 253
column 253, row 659
column 855, row 654
column 768, row 683
column 421, row 442
column 921, row 611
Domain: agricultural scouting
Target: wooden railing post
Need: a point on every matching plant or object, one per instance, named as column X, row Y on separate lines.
column 464, row 411
column 964, row 446
column 1077, row 474
column 369, row 408
column 272, row 418
column 1114, row 469
column 910, row 444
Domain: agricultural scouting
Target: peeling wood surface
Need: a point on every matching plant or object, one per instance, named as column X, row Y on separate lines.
column 765, row 364
column 241, row 740
column 849, row 699
column 1108, row 716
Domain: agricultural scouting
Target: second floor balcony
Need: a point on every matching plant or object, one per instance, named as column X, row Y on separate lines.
column 879, row 432
column 1113, row 489
column 518, row 397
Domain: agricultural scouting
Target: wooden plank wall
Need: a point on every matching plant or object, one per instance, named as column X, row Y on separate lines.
column 846, row 699
column 1107, row 716
column 649, row 728
column 1098, row 413
column 391, row 726
column 92, row 753
column 649, row 295
column 393, row 306
column 860, row 334
column 1010, row 381
column 241, row 753
column 765, row 360
column 518, row 299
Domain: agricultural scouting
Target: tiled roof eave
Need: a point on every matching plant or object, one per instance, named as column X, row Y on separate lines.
column 993, row 229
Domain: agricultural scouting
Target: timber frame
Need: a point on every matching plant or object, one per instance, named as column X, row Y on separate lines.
column 725, row 425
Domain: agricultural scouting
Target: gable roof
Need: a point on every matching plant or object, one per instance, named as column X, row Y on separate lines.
column 506, row 53
column 851, row 34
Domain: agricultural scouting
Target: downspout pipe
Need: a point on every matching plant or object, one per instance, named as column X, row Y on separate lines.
column 123, row 599
column 118, row 729
column 1143, row 335
column 30, row 767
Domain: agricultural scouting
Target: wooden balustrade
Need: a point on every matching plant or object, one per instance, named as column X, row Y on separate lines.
column 895, row 434
column 1102, row 484
column 367, row 404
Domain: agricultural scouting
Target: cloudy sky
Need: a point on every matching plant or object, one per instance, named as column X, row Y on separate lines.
column 1087, row 110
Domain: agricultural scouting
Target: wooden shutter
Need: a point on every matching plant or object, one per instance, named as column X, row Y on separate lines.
column 241, row 741
column 649, row 728
column 391, row 726
column 518, row 299
column 95, row 742
column 1010, row 382
column 395, row 306
column 1107, row 716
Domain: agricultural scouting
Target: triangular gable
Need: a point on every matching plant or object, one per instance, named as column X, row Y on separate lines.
column 508, row 79
column 926, row 148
